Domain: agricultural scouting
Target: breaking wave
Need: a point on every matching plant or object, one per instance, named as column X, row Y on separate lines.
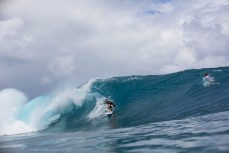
column 139, row 100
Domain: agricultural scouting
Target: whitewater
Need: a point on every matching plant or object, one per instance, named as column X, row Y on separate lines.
column 178, row 112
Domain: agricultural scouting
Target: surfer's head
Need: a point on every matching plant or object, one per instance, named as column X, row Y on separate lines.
column 206, row 74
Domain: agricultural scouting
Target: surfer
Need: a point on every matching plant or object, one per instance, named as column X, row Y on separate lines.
column 206, row 75
column 208, row 80
column 110, row 105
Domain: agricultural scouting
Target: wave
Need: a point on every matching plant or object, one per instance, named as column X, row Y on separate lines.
column 139, row 100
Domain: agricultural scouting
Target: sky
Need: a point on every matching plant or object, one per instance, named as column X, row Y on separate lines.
column 48, row 42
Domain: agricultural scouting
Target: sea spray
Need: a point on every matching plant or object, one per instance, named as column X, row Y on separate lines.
column 47, row 109
column 11, row 101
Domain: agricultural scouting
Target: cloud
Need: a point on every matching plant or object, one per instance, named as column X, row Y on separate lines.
column 83, row 39
column 62, row 66
column 46, row 80
column 10, row 27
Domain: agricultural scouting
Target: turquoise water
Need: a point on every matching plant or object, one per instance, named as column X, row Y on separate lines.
column 164, row 113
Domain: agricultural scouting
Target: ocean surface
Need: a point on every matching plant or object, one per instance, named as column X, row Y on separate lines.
column 178, row 112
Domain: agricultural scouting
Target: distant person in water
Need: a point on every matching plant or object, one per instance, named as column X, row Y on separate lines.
column 208, row 80
column 206, row 76
column 109, row 104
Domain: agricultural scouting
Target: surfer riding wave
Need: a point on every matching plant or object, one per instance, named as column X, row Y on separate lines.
column 208, row 80
column 110, row 105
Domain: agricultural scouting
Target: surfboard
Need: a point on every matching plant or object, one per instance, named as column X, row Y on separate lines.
column 109, row 113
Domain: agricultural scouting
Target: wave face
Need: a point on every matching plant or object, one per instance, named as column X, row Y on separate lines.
column 146, row 99
column 139, row 100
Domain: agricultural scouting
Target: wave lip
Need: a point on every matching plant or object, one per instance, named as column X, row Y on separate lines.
column 39, row 113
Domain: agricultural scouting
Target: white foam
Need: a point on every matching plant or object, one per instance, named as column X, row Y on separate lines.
column 64, row 97
column 99, row 109
column 58, row 103
column 16, row 127
column 217, row 70
column 208, row 81
column 11, row 101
